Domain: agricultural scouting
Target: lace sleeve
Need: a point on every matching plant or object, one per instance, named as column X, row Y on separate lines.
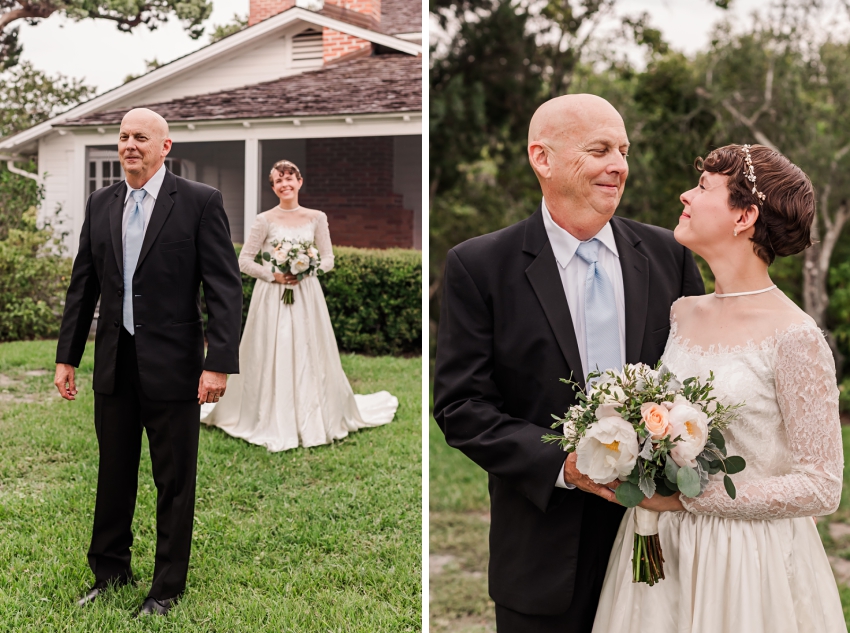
column 323, row 243
column 251, row 247
column 808, row 399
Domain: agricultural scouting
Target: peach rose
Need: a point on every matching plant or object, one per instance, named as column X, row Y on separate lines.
column 656, row 417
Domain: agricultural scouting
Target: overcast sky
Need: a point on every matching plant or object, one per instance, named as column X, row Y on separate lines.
column 96, row 51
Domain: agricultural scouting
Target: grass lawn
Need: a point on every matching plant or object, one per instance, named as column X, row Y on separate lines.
column 459, row 525
column 325, row 539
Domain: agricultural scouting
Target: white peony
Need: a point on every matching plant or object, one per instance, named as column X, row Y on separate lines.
column 692, row 425
column 285, row 247
column 312, row 252
column 608, row 410
column 608, row 450
column 301, row 263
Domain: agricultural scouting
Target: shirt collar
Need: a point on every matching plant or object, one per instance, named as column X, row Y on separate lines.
column 152, row 186
column 565, row 244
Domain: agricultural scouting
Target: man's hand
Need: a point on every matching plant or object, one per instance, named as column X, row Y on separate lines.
column 64, row 381
column 286, row 278
column 583, row 482
column 211, row 386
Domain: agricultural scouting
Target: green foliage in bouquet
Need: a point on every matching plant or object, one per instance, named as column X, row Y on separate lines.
column 655, row 471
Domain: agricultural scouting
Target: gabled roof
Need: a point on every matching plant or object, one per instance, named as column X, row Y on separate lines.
column 374, row 84
column 328, row 17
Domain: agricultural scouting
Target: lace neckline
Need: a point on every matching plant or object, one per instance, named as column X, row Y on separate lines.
column 280, row 208
column 767, row 344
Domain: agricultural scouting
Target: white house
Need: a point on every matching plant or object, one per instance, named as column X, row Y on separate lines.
column 336, row 88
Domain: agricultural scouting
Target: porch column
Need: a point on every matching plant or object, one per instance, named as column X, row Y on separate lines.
column 252, row 182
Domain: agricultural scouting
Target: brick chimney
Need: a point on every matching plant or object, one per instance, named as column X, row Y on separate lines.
column 366, row 13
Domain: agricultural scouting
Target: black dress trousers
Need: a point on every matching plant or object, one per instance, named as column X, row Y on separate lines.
column 173, row 428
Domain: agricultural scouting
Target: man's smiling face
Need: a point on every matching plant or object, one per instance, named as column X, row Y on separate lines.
column 589, row 165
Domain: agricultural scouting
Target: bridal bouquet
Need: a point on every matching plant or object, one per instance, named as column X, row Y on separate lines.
column 655, row 434
column 298, row 258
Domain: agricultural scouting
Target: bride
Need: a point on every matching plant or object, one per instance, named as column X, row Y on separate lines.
column 291, row 389
column 754, row 564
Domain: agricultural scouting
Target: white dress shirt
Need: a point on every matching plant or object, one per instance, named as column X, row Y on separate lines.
column 573, row 271
column 152, row 188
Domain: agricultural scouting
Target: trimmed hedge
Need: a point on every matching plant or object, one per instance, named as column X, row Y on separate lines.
column 374, row 299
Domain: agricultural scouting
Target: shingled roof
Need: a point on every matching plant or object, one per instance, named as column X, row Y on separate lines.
column 375, row 84
column 401, row 16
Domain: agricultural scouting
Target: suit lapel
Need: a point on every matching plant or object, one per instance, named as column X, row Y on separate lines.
column 635, row 269
column 116, row 217
column 161, row 210
column 546, row 282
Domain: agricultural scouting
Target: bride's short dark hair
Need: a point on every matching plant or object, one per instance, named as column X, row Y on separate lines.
column 284, row 167
column 785, row 215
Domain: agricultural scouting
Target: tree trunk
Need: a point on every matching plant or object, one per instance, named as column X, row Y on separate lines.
column 816, row 272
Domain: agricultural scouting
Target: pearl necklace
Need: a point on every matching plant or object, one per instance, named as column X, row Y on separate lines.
column 742, row 294
column 288, row 210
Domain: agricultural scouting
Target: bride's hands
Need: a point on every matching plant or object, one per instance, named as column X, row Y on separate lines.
column 286, row 278
column 659, row 503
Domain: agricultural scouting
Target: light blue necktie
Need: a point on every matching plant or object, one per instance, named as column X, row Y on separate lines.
column 132, row 247
column 601, row 327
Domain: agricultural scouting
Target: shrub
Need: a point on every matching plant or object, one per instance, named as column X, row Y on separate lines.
column 33, row 279
column 374, row 299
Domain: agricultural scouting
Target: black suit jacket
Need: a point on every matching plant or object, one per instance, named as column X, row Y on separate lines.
column 505, row 340
column 187, row 241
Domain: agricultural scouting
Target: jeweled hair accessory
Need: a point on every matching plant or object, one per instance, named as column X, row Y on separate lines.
column 750, row 173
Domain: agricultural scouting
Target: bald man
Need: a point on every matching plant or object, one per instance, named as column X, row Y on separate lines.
column 520, row 311
column 145, row 247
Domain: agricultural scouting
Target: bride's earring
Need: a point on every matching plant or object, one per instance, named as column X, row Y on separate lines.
column 735, row 232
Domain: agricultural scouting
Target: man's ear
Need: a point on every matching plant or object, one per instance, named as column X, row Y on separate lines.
column 166, row 147
column 538, row 156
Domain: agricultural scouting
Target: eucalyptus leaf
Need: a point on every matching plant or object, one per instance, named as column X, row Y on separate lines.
column 715, row 466
column 267, row 257
column 735, row 464
column 634, row 476
column 717, row 437
column 664, row 487
column 730, row 486
column 688, row 480
column 671, row 470
column 629, row 494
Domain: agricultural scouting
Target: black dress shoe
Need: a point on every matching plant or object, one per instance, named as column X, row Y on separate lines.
column 152, row 606
column 99, row 588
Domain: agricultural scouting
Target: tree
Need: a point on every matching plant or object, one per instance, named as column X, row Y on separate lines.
column 29, row 96
column 784, row 87
column 126, row 16
column 221, row 31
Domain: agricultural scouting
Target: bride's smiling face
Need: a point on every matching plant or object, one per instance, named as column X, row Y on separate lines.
column 707, row 220
column 286, row 186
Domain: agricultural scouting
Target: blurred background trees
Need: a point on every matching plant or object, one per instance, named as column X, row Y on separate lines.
column 780, row 79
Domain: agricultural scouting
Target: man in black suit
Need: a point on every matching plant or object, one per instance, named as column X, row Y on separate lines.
column 145, row 247
column 513, row 323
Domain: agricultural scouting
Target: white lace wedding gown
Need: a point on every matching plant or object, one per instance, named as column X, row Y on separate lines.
column 291, row 388
column 754, row 564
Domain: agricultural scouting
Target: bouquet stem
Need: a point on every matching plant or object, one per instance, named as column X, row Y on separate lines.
column 288, row 296
column 647, row 557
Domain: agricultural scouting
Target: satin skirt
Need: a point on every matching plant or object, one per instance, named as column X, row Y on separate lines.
column 723, row 576
column 291, row 390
